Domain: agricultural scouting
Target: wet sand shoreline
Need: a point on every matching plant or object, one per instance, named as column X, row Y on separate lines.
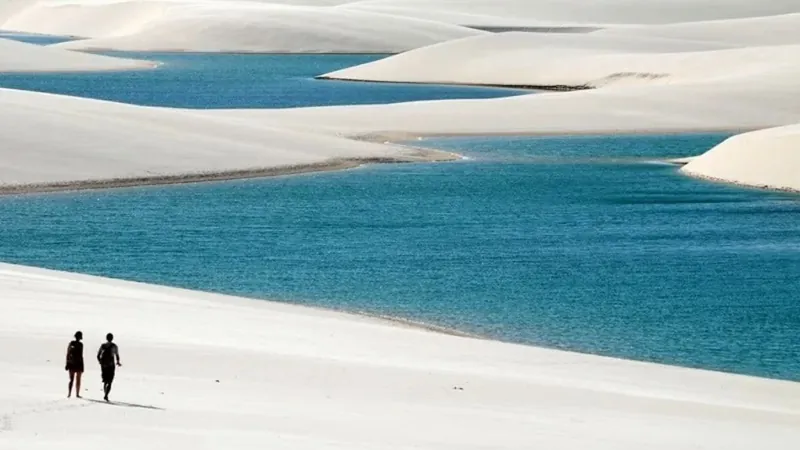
column 412, row 155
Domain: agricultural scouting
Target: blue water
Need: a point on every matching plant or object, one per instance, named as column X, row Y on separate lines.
column 189, row 80
column 579, row 243
column 40, row 39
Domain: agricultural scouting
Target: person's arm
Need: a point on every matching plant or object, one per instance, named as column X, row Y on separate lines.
column 99, row 351
column 116, row 352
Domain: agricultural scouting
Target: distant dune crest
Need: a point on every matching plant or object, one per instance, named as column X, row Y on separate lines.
column 342, row 26
column 224, row 26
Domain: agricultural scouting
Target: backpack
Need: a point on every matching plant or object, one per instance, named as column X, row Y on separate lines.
column 106, row 355
column 72, row 352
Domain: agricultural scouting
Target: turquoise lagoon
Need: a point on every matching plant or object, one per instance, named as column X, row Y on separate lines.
column 589, row 244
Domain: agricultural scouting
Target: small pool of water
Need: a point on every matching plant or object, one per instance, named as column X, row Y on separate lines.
column 193, row 80
column 40, row 39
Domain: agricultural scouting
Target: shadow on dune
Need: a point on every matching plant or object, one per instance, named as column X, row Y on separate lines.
column 127, row 405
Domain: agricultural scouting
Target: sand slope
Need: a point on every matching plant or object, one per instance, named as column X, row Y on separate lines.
column 84, row 18
column 224, row 26
column 278, row 30
column 294, row 378
column 22, row 57
column 366, row 26
column 90, row 140
column 758, row 31
column 766, row 158
column 585, row 60
column 605, row 12
column 636, row 54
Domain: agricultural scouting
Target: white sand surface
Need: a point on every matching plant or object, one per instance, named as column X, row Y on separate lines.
column 750, row 31
column 278, row 29
column 604, row 12
column 227, row 26
column 96, row 140
column 766, row 158
column 591, row 60
column 203, row 371
column 637, row 54
column 364, row 26
column 81, row 18
column 22, row 57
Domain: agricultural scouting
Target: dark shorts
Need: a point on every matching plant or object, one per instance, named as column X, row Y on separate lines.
column 108, row 373
column 75, row 366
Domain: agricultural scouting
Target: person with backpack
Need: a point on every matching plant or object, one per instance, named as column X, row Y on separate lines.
column 107, row 355
column 75, row 364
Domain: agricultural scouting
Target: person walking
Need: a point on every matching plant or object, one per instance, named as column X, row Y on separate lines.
column 107, row 355
column 75, row 364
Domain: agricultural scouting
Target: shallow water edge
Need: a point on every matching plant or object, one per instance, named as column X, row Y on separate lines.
column 417, row 155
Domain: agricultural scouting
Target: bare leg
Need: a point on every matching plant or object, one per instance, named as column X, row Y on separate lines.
column 71, row 379
column 78, row 384
column 106, row 390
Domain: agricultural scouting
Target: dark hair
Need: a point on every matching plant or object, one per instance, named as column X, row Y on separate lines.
column 109, row 337
column 78, row 335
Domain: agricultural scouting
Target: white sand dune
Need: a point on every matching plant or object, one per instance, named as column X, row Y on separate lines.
column 204, row 371
column 278, row 30
column 603, row 12
column 751, row 31
column 454, row 14
column 224, row 26
column 96, row 140
column 766, row 158
column 643, row 54
column 682, row 77
column 712, row 75
column 356, row 26
column 758, row 98
column 529, row 59
column 22, row 57
column 83, row 18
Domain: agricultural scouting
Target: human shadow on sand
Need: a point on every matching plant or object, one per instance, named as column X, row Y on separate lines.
column 127, row 405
